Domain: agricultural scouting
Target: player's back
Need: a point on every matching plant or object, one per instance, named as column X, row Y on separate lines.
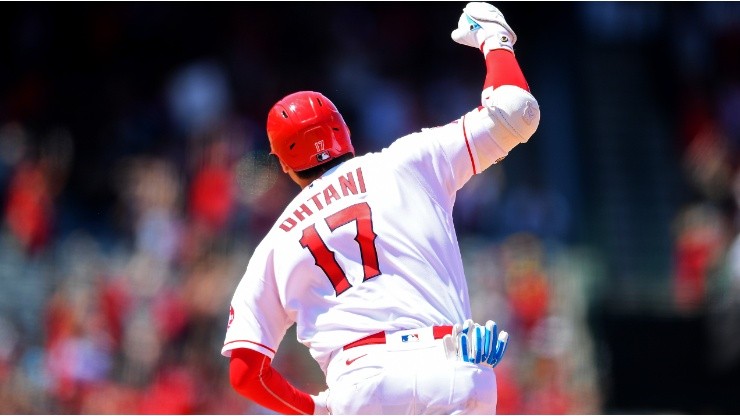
column 370, row 246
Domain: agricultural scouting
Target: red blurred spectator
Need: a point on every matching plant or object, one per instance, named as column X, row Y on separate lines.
column 170, row 314
column 509, row 391
column 59, row 319
column 29, row 209
column 529, row 295
column 212, row 192
column 110, row 398
column 114, row 304
column 699, row 246
column 548, row 394
column 527, row 284
column 172, row 393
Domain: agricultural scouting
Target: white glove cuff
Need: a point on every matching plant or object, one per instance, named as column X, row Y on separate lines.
column 499, row 40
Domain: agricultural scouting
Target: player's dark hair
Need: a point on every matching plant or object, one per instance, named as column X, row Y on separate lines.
column 319, row 170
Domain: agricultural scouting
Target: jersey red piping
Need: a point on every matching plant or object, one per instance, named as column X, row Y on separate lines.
column 251, row 342
column 470, row 152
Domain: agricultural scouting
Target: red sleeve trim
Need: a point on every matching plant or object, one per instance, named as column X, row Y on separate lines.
column 253, row 377
column 282, row 386
column 251, row 342
column 467, row 143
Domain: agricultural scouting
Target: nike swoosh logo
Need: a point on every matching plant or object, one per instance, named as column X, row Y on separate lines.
column 348, row 362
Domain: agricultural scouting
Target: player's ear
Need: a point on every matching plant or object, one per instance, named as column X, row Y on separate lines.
column 285, row 167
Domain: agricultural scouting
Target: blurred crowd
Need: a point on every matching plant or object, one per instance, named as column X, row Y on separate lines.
column 706, row 268
column 135, row 183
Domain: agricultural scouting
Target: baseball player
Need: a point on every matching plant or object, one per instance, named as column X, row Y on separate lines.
column 365, row 260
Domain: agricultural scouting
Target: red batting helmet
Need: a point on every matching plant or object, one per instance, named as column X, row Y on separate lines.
column 305, row 130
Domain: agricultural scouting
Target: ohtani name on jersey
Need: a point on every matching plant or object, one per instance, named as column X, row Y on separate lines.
column 351, row 183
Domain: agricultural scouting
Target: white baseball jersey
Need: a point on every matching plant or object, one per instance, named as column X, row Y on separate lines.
column 370, row 246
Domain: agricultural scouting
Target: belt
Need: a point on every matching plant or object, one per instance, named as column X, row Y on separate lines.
column 438, row 332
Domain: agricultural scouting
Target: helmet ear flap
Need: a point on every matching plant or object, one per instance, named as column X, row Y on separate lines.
column 305, row 129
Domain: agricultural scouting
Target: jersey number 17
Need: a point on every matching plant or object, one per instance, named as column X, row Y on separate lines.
column 326, row 259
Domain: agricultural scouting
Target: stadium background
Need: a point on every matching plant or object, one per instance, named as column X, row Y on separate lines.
column 134, row 185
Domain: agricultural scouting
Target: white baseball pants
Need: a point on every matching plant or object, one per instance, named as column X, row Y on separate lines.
column 410, row 378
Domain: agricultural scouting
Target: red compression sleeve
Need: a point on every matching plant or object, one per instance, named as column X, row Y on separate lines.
column 502, row 68
column 253, row 377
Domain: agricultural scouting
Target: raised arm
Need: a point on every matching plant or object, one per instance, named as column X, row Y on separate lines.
column 509, row 114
